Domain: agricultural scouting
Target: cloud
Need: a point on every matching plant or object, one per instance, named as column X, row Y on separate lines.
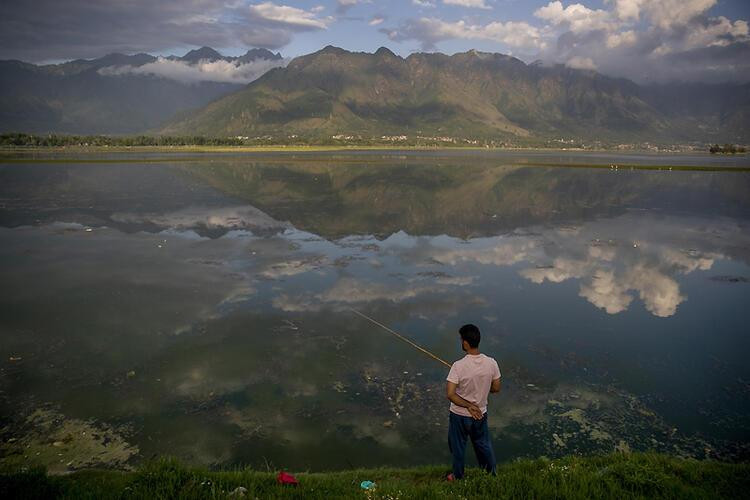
column 429, row 31
column 241, row 217
column 644, row 261
column 203, row 71
column 628, row 10
column 648, row 40
column 577, row 17
column 50, row 29
column 504, row 252
column 287, row 16
column 351, row 291
column 608, row 287
column 455, row 280
column 606, row 293
column 668, row 14
column 293, row 267
column 687, row 261
column 625, row 38
column 643, row 40
column 348, row 291
column 716, row 31
column 478, row 4
column 610, row 271
column 342, row 6
column 578, row 62
column 561, row 270
column 345, row 292
column 659, row 293
column 664, row 14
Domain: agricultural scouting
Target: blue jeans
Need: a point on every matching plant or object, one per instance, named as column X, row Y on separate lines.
column 459, row 429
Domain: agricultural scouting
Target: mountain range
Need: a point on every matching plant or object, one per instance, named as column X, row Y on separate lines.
column 106, row 95
column 337, row 92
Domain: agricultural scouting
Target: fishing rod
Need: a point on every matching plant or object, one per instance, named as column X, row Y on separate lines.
column 401, row 337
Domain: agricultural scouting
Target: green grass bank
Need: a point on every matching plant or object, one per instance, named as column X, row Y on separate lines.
column 638, row 475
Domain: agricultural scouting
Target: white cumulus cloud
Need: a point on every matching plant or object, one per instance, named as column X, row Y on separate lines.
column 430, row 30
column 577, row 17
column 625, row 38
column 673, row 13
column 286, row 15
column 647, row 40
column 478, row 4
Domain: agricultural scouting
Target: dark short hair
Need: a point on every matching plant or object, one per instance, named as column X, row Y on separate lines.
column 470, row 334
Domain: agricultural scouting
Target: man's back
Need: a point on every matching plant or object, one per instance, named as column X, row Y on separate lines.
column 473, row 374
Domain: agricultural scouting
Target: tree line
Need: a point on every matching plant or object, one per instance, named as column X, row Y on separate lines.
column 55, row 140
column 51, row 140
column 726, row 148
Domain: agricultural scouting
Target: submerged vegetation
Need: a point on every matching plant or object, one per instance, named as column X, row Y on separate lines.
column 611, row 476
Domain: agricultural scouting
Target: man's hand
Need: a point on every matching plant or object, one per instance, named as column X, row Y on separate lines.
column 474, row 410
column 476, row 413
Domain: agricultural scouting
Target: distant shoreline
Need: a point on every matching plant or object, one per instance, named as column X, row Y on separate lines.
column 352, row 147
column 270, row 154
column 248, row 149
column 19, row 141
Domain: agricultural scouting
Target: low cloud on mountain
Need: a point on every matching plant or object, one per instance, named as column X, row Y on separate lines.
column 203, row 71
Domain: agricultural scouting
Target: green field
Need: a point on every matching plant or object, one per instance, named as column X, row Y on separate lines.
column 613, row 476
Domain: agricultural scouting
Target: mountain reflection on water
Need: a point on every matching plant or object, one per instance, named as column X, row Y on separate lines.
column 202, row 309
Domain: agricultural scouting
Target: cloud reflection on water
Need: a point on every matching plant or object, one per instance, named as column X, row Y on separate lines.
column 643, row 255
column 238, row 217
column 613, row 259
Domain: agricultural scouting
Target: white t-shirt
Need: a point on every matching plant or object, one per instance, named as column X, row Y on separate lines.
column 473, row 374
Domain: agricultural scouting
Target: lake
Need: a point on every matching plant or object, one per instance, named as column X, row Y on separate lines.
column 202, row 305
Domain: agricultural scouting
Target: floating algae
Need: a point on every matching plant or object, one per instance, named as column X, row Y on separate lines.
column 577, row 416
column 64, row 444
column 597, row 419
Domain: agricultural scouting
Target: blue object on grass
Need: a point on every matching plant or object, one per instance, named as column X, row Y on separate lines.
column 366, row 485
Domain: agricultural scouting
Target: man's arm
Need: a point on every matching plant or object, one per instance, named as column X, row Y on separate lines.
column 495, row 387
column 457, row 400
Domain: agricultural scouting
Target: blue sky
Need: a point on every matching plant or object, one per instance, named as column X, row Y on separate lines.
column 701, row 40
column 354, row 32
column 352, row 29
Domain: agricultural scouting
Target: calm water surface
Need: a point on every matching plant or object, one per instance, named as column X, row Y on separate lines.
column 201, row 307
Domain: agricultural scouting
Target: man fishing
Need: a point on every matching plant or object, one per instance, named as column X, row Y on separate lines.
column 470, row 381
